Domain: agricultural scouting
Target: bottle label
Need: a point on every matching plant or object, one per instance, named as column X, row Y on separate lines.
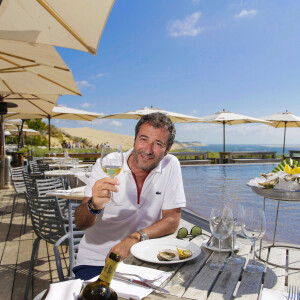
column 108, row 270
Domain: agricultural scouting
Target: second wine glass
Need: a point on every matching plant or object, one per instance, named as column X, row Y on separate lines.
column 254, row 229
column 220, row 223
column 111, row 162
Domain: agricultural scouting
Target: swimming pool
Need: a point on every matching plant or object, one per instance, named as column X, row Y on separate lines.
column 207, row 185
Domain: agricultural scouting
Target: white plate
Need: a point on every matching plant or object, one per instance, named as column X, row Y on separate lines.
column 238, row 246
column 148, row 250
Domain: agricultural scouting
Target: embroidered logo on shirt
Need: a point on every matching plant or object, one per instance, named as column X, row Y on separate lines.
column 158, row 193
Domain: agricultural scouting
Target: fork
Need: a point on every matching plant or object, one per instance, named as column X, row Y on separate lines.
column 140, row 277
column 293, row 292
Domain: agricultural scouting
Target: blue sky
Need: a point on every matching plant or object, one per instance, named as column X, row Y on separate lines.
column 194, row 57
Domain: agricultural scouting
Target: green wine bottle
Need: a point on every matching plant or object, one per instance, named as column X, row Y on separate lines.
column 100, row 289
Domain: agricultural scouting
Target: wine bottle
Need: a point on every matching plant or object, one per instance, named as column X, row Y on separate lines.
column 100, row 288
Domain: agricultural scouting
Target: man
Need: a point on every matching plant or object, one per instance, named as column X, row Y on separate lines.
column 150, row 193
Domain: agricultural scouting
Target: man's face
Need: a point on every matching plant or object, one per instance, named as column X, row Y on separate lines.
column 150, row 146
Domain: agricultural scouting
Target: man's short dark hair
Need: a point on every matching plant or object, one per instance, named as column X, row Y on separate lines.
column 158, row 120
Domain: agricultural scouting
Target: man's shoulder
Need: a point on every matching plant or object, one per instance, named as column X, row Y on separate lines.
column 170, row 159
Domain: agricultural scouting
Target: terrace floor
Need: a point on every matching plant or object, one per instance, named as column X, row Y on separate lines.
column 15, row 252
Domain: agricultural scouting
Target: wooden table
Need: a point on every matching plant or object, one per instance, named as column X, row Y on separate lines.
column 78, row 194
column 195, row 280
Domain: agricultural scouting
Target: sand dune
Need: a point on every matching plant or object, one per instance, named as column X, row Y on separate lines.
column 100, row 136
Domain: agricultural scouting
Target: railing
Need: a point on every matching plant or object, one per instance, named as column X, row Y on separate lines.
column 247, row 155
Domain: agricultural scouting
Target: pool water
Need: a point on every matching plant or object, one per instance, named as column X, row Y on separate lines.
column 207, row 185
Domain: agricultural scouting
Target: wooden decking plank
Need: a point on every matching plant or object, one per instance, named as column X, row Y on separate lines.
column 179, row 283
column 275, row 276
column 294, row 261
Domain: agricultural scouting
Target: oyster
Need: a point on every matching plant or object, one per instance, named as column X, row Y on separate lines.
column 184, row 253
column 269, row 184
column 166, row 255
column 290, row 177
column 266, row 175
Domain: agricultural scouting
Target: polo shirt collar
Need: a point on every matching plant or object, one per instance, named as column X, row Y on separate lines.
column 157, row 169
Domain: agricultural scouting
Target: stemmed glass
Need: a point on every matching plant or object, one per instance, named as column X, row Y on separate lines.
column 111, row 162
column 254, row 229
column 220, row 223
column 238, row 214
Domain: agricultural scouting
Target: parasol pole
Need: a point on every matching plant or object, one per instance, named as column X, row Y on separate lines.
column 223, row 136
column 284, row 139
column 49, row 122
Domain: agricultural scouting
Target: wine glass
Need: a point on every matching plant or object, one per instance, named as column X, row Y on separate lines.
column 238, row 214
column 254, row 229
column 111, row 162
column 220, row 223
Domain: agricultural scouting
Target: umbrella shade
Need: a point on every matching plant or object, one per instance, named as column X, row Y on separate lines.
column 26, row 131
column 226, row 117
column 33, row 69
column 58, row 112
column 73, row 24
column 283, row 120
column 34, row 104
column 6, row 132
column 137, row 114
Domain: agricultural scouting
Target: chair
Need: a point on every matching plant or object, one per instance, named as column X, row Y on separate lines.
column 38, row 167
column 74, row 236
column 43, row 186
column 47, row 223
column 19, row 186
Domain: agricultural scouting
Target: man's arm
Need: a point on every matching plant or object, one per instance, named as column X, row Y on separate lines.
column 101, row 195
column 167, row 225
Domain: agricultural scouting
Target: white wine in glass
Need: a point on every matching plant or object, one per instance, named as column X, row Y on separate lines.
column 111, row 162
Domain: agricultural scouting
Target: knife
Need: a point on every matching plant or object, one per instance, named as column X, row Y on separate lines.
column 141, row 283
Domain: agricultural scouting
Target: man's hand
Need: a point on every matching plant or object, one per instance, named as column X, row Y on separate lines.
column 101, row 191
column 123, row 248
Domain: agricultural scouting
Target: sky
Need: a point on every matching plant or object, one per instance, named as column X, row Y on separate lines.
column 194, row 57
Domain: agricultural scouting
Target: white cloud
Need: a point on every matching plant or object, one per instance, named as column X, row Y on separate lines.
column 187, row 27
column 98, row 75
column 116, row 123
column 195, row 1
column 246, row 13
column 194, row 111
column 84, row 84
column 86, row 105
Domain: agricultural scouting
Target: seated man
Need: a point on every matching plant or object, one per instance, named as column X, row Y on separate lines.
column 149, row 190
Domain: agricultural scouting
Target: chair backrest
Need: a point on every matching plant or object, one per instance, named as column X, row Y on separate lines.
column 46, row 217
column 16, row 173
column 74, row 236
column 30, row 184
column 33, row 166
column 49, row 184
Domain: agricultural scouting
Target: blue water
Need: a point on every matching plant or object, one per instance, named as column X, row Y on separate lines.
column 246, row 147
column 207, row 185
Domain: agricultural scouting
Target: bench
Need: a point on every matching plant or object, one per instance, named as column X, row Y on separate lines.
column 249, row 157
column 191, row 158
column 292, row 152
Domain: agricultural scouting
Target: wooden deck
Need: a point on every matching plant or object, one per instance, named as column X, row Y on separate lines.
column 16, row 247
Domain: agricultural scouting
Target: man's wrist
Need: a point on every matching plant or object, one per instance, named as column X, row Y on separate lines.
column 91, row 209
column 143, row 235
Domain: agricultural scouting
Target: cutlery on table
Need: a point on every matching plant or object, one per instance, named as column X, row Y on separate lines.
column 140, row 283
column 293, row 292
column 139, row 277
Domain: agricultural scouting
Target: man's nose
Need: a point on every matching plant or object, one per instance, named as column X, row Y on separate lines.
column 149, row 148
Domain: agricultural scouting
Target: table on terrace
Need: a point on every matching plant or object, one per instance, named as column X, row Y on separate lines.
column 195, row 280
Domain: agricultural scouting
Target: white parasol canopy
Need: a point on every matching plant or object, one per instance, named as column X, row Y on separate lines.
column 283, row 120
column 228, row 118
column 33, row 69
column 26, row 131
column 58, row 112
column 137, row 114
column 76, row 24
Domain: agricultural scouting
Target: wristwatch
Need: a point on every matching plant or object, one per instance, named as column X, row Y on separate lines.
column 144, row 235
column 91, row 210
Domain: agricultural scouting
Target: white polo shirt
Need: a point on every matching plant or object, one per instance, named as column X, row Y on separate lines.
column 162, row 189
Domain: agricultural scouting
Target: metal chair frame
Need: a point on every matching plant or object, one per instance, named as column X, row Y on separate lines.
column 73, row 236
column 48, row 225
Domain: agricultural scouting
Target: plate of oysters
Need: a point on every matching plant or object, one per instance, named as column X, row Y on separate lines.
column 165, row 251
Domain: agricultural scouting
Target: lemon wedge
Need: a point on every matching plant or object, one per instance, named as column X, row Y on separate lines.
column 288, row 169
column 296, row 170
